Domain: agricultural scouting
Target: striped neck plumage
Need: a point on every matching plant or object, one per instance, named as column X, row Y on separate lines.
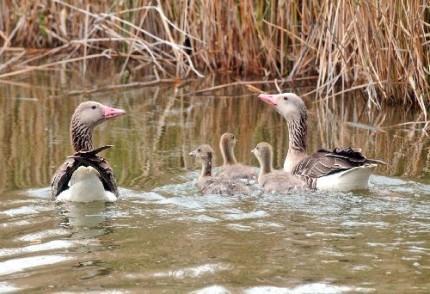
column 297, row 132
column 82, row 135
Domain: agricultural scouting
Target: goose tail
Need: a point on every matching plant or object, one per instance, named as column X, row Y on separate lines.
column 356, row 178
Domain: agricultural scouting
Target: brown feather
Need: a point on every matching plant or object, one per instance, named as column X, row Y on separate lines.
column 325, row 162
column 63, row 174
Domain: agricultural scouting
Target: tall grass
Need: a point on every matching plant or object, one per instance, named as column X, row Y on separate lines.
column 379, row 46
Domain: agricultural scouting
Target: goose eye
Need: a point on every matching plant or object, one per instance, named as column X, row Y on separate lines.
column 285, row 98
column 198, row 150
column 232, row 137
column 93, row 107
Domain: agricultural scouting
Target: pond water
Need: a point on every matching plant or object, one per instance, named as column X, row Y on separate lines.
column 163, row 236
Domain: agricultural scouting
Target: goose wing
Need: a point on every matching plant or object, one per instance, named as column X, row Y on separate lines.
column 325, row 162
column 62, row 176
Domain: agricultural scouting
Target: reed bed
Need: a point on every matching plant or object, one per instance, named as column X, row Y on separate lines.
column 381, row 47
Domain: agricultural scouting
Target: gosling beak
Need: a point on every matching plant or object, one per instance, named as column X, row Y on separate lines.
column 110, row 112
column 269, row 99
column 192, row 153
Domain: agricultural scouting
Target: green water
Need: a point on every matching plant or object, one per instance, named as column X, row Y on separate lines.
column 163, row 236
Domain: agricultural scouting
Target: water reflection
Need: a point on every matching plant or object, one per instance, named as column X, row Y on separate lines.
column 95, row 217
column 152, row 142
column 164, row 235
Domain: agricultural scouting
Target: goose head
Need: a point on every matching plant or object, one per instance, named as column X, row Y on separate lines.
column 289, row 105
column 203, row 152
column 86, row 116
column 92, row 113
column 228, row 139
column 264, row 153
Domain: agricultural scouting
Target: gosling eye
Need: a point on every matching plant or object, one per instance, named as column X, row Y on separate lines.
column 232, row 137
column 93, row 107
column 285, row 98
column 198, row 150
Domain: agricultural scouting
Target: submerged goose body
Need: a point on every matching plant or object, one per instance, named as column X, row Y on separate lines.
column 85, row 176
column 231, row 169
column 209, row 184
column 274, row 180
column 341, row 169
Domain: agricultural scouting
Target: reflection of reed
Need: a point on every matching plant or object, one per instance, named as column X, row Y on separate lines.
column 164, row 124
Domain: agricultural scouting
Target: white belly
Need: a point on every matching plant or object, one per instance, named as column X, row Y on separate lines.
column 85, row 186
column 356, row 178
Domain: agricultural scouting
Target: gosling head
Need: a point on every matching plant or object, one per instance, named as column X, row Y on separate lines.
column 289, row 105
column 228, row 139
column 264, row 153
column 203, row 152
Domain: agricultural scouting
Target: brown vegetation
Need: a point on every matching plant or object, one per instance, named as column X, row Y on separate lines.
column 381, row 47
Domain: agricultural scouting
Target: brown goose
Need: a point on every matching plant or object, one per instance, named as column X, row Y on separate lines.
column 209, row 184
column 86, row 176
column 340, row 169
column 231, row 168
column 274, row 180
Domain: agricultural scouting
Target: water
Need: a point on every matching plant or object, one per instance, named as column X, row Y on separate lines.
column 164, row 236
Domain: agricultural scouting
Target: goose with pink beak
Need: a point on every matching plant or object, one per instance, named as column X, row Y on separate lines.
column 340, row 169
column 86, row 176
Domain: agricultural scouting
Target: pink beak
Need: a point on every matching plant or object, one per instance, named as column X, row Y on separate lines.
column 269, row 99
column 110, row 112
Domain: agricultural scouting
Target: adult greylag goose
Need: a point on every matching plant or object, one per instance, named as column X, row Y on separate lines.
column 210, row 184
column 340, row 169
column 231, row 168
column 85, row 176
column 274, row 180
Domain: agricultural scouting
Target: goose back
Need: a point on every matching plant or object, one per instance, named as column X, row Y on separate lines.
column 238, row 171
column 221, row 186
column 281, row 181
column 62, row 176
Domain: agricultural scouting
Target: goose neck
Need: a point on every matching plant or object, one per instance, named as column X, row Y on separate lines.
column 227, row 154
column 81, row 136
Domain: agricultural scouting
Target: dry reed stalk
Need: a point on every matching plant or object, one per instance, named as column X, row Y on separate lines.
column 119, row 87
column 380, row 46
